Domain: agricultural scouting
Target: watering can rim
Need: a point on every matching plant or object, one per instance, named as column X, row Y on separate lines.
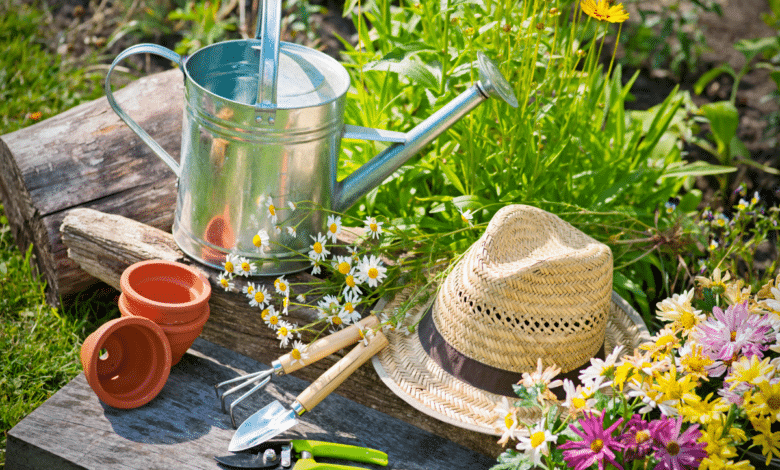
column 336, row 69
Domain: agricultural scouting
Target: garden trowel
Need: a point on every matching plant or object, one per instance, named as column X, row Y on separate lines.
column 274, row 418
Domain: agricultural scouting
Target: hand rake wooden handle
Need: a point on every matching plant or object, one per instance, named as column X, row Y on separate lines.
column 329, row 344
column 334, row 376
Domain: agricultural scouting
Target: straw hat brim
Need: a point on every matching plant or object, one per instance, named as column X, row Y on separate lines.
column 410, row 373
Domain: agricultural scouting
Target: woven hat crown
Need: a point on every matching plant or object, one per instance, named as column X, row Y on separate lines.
column 532, row 286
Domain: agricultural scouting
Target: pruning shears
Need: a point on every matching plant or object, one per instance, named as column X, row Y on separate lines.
column 299, row 455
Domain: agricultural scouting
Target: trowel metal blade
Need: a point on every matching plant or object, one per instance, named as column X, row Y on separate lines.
column 267, row 423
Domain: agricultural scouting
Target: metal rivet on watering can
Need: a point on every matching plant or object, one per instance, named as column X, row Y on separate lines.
column 265, row 119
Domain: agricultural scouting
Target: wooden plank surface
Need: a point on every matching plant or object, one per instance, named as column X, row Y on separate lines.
column 88, row 157
column 105, row 244
column 183, row 427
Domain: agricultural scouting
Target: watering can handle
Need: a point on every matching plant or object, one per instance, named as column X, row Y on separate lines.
column 143, row 49
column 269, row 26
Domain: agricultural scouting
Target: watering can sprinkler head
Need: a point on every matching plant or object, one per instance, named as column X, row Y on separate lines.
column 491, row 84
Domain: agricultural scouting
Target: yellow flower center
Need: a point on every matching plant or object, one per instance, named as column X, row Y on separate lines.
column 344, row 268
column 509, row 420
column 348, row 307
column 272, row 209
column 350, row 281
column 273, row 320
column 464, row 219
column 257, row 241
column 295, row 354
column 687, row 320
column 373, row 227
column 578, row 403
column 229, row 267
column 373, row 273
column 224, row 282
column 537, row 439
column 259, row 297
column 641, row 436
column 246, row 266
column 333, row 228
column 249, row 289
column 336, row 320
column 733, row 335
column 597, row 445
column 673, row 448
column 283, row 331
column 282, row 286
column 317, row 248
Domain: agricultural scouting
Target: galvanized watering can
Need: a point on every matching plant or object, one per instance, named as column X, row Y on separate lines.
column 263, row 122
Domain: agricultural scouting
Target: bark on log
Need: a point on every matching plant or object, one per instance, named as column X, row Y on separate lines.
column 88, row 157
column 104, row 245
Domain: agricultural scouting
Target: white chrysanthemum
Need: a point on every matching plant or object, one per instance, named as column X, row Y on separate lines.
column 270, row 209
column 351, row 283
column 373, row 228
column 245, row 267
column 284, row 332
column 249, row 290
column 225, row 281
column 298, row 353
column 535, row 444
column 281, row 286
column 351, row 300
column 371, row 271
column 231, row 265
column 466, row 216
column 262, row 240
column 334, row 227
column 506, row 422
column 259, row 298
column 318, row 250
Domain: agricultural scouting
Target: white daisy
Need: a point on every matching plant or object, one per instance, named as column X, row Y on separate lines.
column 318, row 251
column 262, row 240
column 350, row 301
column 267, row 313
column 373, row 227
column 291, row 231
column 259, row 298
column 343, row 264
column 273, row 319
column 231, row 265
column 284, row 332
column 329, row 304
column 291, row 205
column 466, row 216
column 352, row 283
column 298, row 353
column 371, row 271
column 245, row 267
column 535, row 445
column 281, row 285
column 506, row 422
column 249, row 290
column 225, row 281
column 334, row 227
column 270, row 209
column 601, row 367
column 772, row 304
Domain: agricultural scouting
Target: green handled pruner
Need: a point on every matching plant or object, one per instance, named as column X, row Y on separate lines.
column 299, row 455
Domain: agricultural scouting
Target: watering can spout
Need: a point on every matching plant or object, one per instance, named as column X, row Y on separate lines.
column 375, row 171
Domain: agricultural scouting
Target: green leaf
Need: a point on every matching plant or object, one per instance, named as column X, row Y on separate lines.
column 698, row 168
column 750, row 48
column 711, row 75
column 724, row 120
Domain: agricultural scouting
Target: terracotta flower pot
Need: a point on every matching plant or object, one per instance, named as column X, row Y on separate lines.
column 126, row 361
column 166, row 292
column 180, row 336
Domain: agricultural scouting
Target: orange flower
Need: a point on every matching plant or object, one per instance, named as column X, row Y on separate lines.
column 604, row 10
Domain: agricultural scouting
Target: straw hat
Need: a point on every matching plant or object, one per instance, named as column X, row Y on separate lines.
column 532, row 286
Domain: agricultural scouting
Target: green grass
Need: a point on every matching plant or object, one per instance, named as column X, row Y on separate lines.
column 40, row 345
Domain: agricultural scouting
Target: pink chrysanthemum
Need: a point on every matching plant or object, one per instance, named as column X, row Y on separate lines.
column 727, row 336
column 597, row 444
column 636, row 439
column 675, row 451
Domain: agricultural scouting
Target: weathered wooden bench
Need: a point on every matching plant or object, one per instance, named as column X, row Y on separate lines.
column 184, row 428
column 92, row 199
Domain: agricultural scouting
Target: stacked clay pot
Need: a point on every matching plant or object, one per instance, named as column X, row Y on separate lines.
column 164, row 306
column 173, row 295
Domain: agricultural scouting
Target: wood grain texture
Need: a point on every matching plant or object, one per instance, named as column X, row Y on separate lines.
column 105, row 244
column 88, row 157
column 184, row 428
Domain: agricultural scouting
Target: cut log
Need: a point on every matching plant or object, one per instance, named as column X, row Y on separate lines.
column 105, row 244
column 88, row 157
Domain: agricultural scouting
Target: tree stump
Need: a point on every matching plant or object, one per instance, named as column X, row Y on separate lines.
column 88, row 157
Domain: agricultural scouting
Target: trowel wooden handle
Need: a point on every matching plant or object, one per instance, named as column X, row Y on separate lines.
column 334, row 376
column 328, row 345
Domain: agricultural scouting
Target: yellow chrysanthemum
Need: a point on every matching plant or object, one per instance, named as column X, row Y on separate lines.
column 604, row 10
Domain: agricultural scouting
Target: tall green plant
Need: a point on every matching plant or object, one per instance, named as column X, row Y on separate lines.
column 570, row 147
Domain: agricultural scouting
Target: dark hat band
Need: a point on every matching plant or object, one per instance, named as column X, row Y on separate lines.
column 483, row 376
